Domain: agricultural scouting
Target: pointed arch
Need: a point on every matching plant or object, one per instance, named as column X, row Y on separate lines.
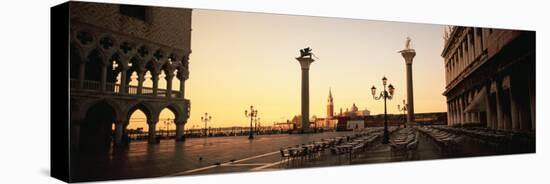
column 96, row 132
column 144, row 107
column 175, row 109
column 95, row 60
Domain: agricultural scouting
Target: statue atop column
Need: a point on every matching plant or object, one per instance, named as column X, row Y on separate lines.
column 305, row 52
column 408, row 47
column 408, row 43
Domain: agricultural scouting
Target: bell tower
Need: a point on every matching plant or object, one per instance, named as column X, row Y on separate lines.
column 330, row 105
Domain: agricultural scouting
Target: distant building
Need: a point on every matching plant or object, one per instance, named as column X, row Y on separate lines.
column 356, row 112
column 330, row 105
column 331, row 120
column 490, row 77
column 346, row 123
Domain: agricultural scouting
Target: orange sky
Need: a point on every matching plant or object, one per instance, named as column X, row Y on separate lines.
column 242, row 59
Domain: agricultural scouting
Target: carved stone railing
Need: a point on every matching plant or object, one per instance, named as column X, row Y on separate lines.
column 112, row 88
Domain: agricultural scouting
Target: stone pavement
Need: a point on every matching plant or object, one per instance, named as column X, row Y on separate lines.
column 169, row 157
column 238, row 154
column 377, row 153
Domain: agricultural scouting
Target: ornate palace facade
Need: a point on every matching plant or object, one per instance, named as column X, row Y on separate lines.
column 109, row 44
column 490, row 77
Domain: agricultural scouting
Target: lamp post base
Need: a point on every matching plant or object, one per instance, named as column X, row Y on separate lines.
column 250, row 137
column 386, row 138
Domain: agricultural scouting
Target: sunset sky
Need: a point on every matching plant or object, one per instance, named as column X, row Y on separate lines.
column 242, row 59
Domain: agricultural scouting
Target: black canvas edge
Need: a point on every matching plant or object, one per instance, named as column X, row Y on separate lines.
column 59, row 99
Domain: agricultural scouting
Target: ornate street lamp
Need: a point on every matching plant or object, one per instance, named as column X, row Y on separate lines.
column 404, row 110
column 386, row 95
column 252, row 114
column 206, row 118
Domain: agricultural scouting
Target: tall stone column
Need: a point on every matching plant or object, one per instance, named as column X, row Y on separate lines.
column 408, row 54
column 305, row 62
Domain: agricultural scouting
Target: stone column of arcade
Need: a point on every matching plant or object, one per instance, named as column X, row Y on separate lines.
column 152, row 130
column 141, row 78
column 182, row 86
column 155, row 79
column 305, row 62
column 123, row 70
column 180, row 124
column 81, row 74
column 103, row 81
column 169, row 77
column 77, row 119
column 408, row 54
column 182, row 75
column 120, row 126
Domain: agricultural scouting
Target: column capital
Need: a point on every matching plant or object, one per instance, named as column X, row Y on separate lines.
column 305, row 62
column 169, row 75
column 123, row 62
column 182, row 74
column 408, row 55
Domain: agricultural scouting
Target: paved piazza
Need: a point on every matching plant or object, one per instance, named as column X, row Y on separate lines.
column 171, row 158
column 237, row 154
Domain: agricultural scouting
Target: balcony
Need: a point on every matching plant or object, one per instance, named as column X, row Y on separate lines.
column 115, row 89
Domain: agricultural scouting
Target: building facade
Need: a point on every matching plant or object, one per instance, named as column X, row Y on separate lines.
column 346, row 123
column 490, row 77
column 109, row 44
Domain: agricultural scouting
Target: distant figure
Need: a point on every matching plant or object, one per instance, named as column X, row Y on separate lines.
column 200, row 158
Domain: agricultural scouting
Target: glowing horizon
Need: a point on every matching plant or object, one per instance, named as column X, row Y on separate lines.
column 241, row 59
